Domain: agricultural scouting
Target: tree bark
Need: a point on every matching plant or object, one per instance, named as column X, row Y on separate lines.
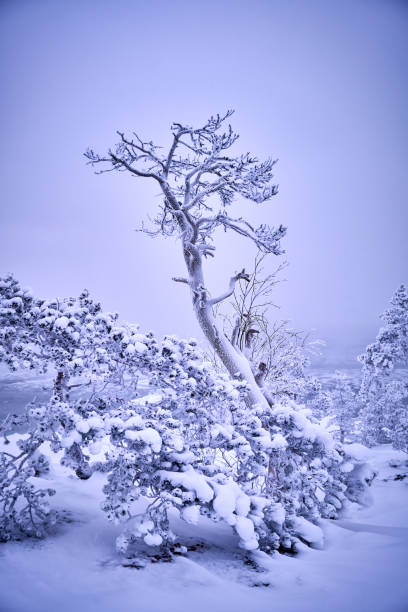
column 235, row 362
column 82, row 469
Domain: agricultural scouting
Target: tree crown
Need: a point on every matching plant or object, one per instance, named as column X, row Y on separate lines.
column 197, row 167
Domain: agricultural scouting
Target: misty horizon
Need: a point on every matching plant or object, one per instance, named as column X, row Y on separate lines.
column 322, row 88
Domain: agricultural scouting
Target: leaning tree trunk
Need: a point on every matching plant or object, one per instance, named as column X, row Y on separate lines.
column 235, row 362
column 73, row 454
column 61, row 386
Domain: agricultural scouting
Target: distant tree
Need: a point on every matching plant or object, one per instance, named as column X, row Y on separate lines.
column 199, row 182
column 340, row 402
column 320, row 401
column 384, row 400
column 346, row 405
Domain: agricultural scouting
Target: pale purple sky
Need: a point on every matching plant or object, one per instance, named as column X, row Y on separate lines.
column 320, row 85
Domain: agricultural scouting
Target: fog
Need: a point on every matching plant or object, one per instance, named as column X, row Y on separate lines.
column 320, row 85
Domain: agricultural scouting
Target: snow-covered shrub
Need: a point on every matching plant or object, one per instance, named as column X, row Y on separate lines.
column 152, row 462
column 65, row 336
column 247, row 482
column 24, row 510
column 319, row 401
column 16, row 305
column 166, row 450
column 190, row 446
column 298, row 468
column 92, row 352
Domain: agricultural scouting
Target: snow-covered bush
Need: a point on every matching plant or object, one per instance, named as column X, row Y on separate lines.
column 151, row 461
column 16, row 304
column 272, row 489
column 24, row 510
column 54, row 425
column 191, row 446
column 302, row 472
column 65, row 336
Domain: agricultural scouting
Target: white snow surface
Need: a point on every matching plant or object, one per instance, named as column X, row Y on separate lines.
column 361, row 568
column 148, row 436
column 308, row 531
column 61, row 323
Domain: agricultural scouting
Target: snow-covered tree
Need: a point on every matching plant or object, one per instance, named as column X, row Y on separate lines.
column 339, row 401
column 24, row 509
column 221, row 444
column 346, row 404
column 199, row 182
column 396, row 321
column 384, row 399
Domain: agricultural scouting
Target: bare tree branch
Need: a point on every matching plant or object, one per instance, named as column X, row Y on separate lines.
column 230, row 291
column 179, row 279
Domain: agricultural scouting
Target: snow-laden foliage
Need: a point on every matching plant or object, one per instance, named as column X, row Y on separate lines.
column 384, row 399
column 259, row 473
column 62, row 334
column 188, row 445
column 346, row 405
column 24, row 509
column 298, row 468
column 15, row 324
column 339, row 402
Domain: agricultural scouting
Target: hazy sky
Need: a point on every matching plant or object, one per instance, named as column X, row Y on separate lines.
column 320, row 85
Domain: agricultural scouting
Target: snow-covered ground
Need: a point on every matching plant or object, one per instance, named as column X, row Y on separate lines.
column 362, row 566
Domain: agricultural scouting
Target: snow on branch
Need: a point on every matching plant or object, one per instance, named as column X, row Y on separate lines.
column 179, row 279
column 266, row 238
column 230, row 291
column 196, row 168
